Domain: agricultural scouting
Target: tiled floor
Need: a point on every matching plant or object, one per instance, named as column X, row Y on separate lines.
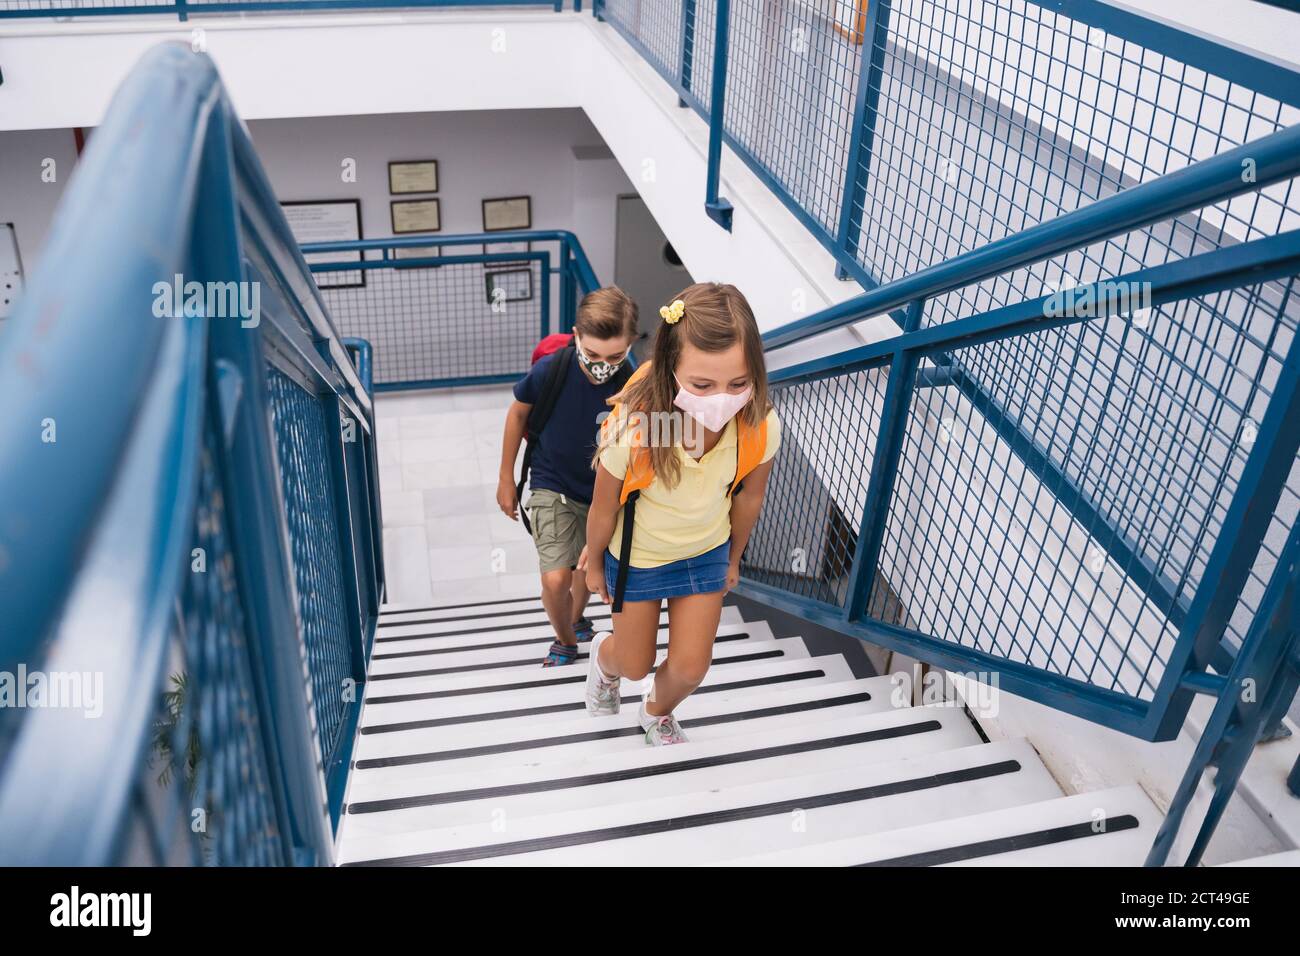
column 444, row 536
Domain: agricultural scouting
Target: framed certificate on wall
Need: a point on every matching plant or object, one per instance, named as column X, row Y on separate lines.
column 417, row 252
column 413, row 176
column 415, row 215
column 508, row 212
column 512, row 285
column 328, row 220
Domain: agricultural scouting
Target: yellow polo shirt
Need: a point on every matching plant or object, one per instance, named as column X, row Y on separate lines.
column 695, row 516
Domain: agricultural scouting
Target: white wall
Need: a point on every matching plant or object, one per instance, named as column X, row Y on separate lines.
column 359, row 64
column 481, row 154
column 27, row 196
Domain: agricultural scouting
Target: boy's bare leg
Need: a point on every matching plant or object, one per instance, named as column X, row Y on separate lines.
column 557, row 598
column 579, row 595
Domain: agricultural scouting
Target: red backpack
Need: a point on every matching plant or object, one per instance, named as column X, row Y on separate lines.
column 552, row 343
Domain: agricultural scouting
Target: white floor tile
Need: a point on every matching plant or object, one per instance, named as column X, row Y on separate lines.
column 458, row 529
column 440, row 474
column 406, row 565
column 483, row 396
column 403, row 508
column 459, row 500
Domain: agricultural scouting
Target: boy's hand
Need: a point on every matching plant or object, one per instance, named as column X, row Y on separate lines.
column 582, row 559
column 507, row 498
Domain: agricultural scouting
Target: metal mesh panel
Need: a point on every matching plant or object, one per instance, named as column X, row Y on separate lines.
column 301, row 436
column 1150, row 424
column 204, row 794
column 994, row 116
column 657, row 26
column 436, row 323
column 792, row 80
column 806, row 537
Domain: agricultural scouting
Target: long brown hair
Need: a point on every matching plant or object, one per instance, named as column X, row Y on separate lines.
column 716, row 317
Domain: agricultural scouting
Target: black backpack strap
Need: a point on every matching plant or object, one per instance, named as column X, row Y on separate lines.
column 538, row 416
column 625, row 550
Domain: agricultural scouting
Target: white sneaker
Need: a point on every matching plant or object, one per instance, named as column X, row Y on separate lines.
column 660, row 731
column 602, row 694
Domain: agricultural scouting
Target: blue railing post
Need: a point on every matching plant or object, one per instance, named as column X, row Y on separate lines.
column 568, row 301
column 884, row 468
column 1238, row 719
column 546, row 294
column 717, row 208
column 688, row 46
column 866, row 112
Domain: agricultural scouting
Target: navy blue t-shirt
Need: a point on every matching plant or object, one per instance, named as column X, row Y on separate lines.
column 562, row 456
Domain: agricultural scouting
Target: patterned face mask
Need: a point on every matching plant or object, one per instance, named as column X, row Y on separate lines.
column 600, row 371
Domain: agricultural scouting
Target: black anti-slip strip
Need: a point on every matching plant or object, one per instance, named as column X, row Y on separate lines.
column 456, row 607
column 721, row 639
column 581, row 705
column 690, row 821
column 473, row 617
column 641, row 773
column 1019, row 841
column 436, row 694
column 514, row 746
column 474, row 630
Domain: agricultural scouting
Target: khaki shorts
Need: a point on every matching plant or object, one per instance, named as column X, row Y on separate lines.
column 559, row 529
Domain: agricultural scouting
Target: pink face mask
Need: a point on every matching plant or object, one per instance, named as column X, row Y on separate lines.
column 711, row 411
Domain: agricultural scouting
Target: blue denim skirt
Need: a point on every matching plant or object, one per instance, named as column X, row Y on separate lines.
column 701, row 574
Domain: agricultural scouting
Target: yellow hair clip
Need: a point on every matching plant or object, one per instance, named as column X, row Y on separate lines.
column 672, row 313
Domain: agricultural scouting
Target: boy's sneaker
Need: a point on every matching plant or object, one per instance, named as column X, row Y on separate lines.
column 602, row 693
column 560, row 653
column 660, row 731
column 583, row 629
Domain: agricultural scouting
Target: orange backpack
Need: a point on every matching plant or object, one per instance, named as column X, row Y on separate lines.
column 751, row 442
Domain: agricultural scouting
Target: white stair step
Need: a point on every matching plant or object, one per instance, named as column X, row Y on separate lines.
column 548, row 697
column 454, row 608
column 639, row 772
column 417, row 753
column 1285, row 858
column 727, row 822
column 497, row 627
column 523, row 652
column 479, row 664
column 1103, row 828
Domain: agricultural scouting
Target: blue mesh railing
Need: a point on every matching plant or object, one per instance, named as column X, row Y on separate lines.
column 1099, row 510
column 1087, row 525
column 198, row 518
column 442, row 310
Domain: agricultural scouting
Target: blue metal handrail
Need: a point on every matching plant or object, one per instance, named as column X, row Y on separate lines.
column 151, row 523
column 1189, row 189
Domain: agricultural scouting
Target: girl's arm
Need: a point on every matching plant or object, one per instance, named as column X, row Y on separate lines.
column 745, row 506
column 601, row 517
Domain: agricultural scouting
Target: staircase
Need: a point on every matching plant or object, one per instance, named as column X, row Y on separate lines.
column 470, row 752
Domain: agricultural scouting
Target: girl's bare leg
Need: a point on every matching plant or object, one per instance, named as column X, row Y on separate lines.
column 692, row 627
column 630, row 651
